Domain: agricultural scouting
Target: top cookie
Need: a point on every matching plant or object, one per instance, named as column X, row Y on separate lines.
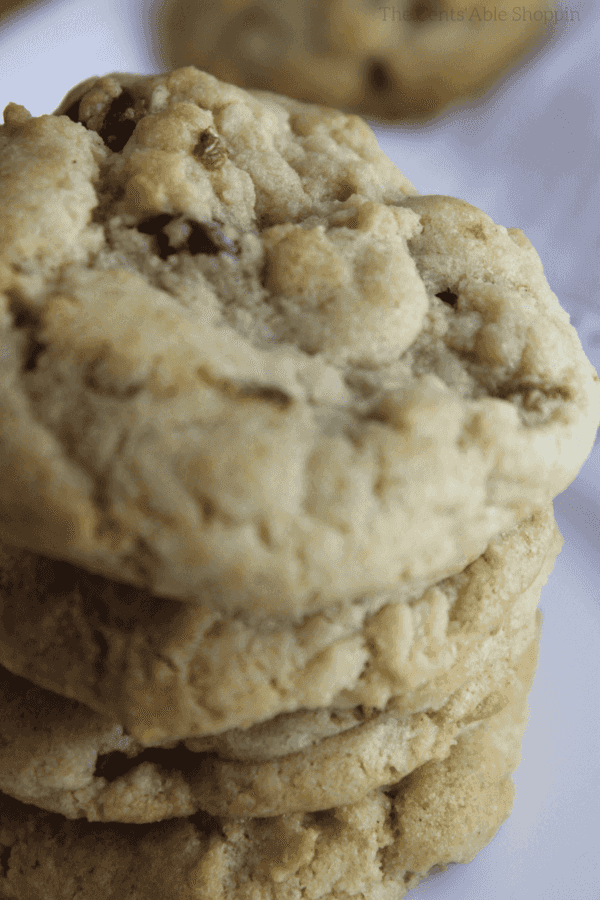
column 406, row 61
column 244, row 364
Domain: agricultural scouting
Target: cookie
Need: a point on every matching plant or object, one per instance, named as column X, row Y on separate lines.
column 342, row 769
column 168, row 670
column 405, row 62
column 49, row 749
column 60, row 756
column 245, row 366
column 7, row 7
column 382, row 846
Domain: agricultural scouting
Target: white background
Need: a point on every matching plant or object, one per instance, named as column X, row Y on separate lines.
column 528, row 154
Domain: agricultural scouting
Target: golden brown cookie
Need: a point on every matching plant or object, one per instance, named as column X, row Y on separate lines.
column 49, row 756
column 8, row 7
column 59, row 756
column 62, row 757
column 342, row 769
column 406, row 61
column 167, row 670
column 246, row 367
column 444, row 811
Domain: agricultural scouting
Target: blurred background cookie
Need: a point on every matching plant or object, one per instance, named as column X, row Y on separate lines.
column 407, row 61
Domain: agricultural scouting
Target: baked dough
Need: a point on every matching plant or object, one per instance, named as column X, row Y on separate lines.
column 382, row 846
column 246, row 367
column 167, row 670
column 407, row 61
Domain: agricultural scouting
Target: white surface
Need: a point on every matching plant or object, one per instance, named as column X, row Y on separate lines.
column 528, row 155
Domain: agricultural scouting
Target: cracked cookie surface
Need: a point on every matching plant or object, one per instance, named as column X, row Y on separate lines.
column 245, row 366
column 59, row 756
column 406, row 61
column 383, row 845
column 164, row 669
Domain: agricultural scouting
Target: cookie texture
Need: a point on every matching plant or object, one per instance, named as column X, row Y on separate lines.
column 8, row 7
column 407, row 61
column 60, row 756
column 63, row 757
column 245, row 366
column 444, row 811
column 167, row 670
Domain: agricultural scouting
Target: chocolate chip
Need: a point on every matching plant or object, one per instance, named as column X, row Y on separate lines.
column 378, row 76
column 205, row 238
column 154, row 225
column 195, row 237
column 423, row 11
column 119, row 122
column 26, row 319
column 448, row 297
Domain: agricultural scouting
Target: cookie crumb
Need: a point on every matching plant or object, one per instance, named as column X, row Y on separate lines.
column 16, row 115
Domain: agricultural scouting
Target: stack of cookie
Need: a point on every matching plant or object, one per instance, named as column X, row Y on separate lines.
column 279, row 440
